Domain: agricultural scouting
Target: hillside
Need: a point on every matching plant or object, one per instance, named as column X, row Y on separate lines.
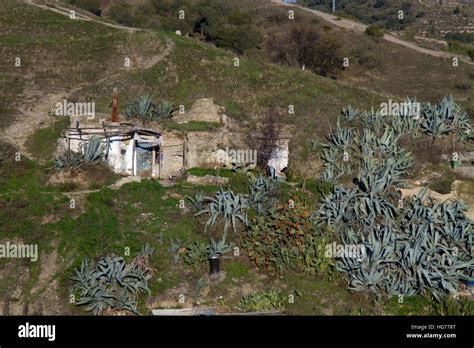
column 83, row 60
column 57, row 55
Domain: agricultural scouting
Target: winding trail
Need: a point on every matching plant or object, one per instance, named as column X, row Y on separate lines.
column 360, row 28
column 79, row 15
column 31, row 118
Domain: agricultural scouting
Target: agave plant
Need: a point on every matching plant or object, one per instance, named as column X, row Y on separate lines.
column 418, row 248
column 142, row 108
column 218, row 248
column 195, row 253
column 427, row 249
column 197, row 201
column 240, row 167
column 350, row 113
column 174, row 247
column 164, row 109
column 341, row 138
column 444, row 118
column 90, row 152
column 227, row 206
column 145, row 109
column 260, row 189
column 112, row 283
column 68, row 160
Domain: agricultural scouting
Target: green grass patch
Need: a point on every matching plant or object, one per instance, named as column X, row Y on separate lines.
column 237, row 269
column 226, row 173
column 192, row 126
column 42, row 144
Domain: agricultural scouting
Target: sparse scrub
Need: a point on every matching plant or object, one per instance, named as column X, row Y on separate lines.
column 264, row 301
column 374, row 31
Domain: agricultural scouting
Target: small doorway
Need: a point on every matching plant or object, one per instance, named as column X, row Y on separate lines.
column 144, row 160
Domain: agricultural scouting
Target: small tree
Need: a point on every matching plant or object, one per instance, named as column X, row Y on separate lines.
column 268, row 136
column 304, row 46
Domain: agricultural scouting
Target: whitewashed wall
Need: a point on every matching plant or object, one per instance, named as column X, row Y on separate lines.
column 120, row 155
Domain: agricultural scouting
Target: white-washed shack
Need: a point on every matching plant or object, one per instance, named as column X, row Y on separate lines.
column 128, row 149
column 279, row 158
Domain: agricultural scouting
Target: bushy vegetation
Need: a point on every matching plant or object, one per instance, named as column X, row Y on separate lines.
column 304, row 46
column 454, row 306
column 226, row 24
column 374, row 31
column 461, row 37
column 134, row 213
column 124, row 14
column 265, row 301
column 286, row 239
column 462, row 48
column 88, row 5
column 383, row 13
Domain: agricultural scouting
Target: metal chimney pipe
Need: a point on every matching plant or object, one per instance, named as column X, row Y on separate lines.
column 115, row 106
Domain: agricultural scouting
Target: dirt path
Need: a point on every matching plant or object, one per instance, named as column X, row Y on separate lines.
column 32, row 118
column 429, row 39
column 359, row 27
column 79, row 14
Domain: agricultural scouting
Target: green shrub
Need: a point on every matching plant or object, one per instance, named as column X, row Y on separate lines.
column 461, row 37
column 305, row 46
column 450, row 306
column 88, row 5
column 264, row 301
column 374, row 31
column 122, row 13
column 287, row 239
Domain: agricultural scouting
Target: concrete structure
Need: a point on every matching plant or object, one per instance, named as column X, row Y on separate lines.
column 279, row 159
column 129, row 150
column 139, row 149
